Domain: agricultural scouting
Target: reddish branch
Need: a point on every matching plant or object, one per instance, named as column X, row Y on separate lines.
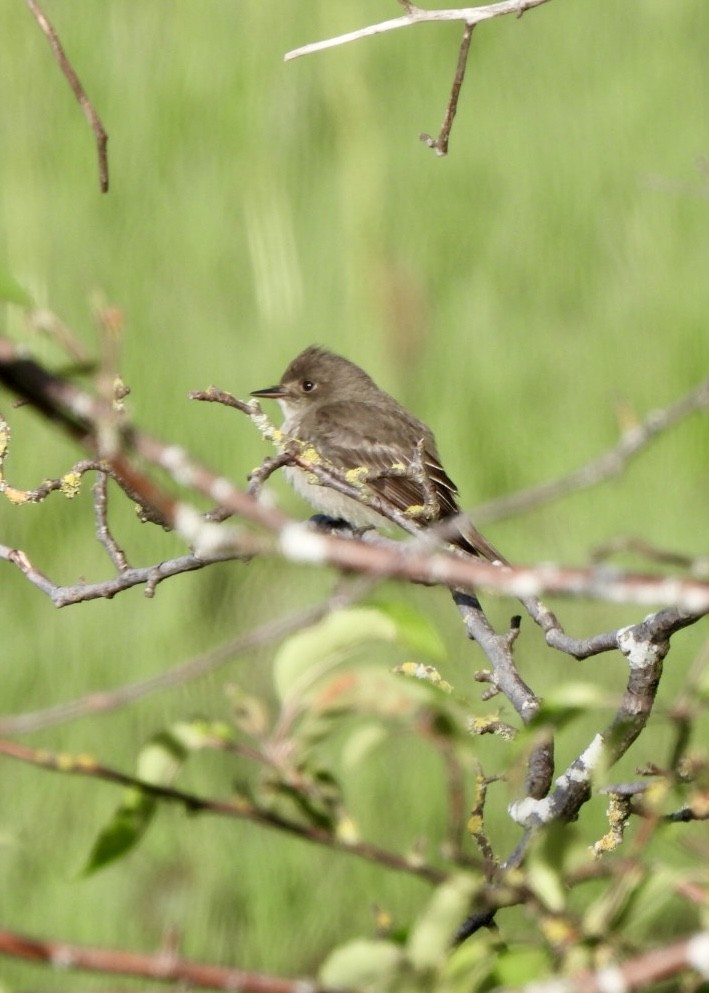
column 159, row 967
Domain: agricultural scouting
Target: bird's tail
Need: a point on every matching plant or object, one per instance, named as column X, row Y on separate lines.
column 462, row 533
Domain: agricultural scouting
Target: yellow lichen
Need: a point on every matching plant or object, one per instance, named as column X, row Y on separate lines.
column 475, row 824
column 311, row 455
column 16, row 497
column 357, row 476
column 70, row 484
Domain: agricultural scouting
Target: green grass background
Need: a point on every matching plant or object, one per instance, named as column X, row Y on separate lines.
column 554, row 265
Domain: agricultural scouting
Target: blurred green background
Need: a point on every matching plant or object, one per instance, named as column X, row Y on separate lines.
column 552, row 268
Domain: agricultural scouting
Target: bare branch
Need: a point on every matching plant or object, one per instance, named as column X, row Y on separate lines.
column 241, row 809
column 440, row 144
column 77, row 89
column 103, row 531
column 417, row 15
column 606, row 466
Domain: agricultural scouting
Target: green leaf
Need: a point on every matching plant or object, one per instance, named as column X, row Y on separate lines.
column 127, row 826
column 159, row 762
column 308, row 655
column 362, row 965
column 414, row 629
column 433, row 932
column 11, row 291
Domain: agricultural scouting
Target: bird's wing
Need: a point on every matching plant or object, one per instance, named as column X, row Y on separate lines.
column 345, row 440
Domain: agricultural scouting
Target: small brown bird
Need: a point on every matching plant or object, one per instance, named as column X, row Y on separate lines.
column 334, row 406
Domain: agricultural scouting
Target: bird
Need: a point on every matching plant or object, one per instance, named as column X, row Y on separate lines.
column 335, row 407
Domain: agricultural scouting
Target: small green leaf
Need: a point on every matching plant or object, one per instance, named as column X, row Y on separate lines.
column 159, row 762
column 433, row 932
column 127, row 826
column 414, row 629
column 362, row 965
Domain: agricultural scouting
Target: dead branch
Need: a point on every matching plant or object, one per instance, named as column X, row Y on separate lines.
column 417, row 15
column 440, row 144
column 77, row 89
column 607, row 466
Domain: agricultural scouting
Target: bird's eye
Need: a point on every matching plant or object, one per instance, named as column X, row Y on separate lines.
column 307, row 386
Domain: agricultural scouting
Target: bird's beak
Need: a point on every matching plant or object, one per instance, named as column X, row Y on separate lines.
column 270, row 393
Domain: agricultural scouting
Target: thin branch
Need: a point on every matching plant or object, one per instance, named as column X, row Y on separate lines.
column 103, row 531
column 65, row 596
column 606, row 466
column 77, row 89
column 417, row 15
column 440, row 144
column 694, row 565
column 241, row 809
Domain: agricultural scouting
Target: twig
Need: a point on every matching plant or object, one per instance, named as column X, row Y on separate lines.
column 607, row 465
column 417, row 15
column 77, row 89
column 103, row 532
column 65, row 596
column 240, row 809
column 440, row 144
